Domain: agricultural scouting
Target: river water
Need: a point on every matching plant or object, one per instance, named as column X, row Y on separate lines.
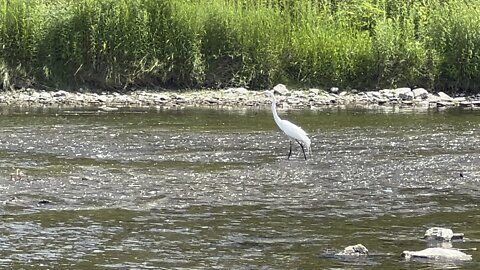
column 212, row 189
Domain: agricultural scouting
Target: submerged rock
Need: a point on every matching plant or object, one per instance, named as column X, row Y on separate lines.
column 441, row 254
column 355, row 250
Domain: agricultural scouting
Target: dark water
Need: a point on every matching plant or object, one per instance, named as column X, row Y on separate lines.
column 210, row 189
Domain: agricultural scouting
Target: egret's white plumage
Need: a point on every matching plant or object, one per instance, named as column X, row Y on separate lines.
column 294, row 132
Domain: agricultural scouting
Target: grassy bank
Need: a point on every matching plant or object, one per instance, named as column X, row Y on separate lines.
column 254, row 43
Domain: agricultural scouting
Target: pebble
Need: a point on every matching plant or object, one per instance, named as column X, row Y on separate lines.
column 238, row 97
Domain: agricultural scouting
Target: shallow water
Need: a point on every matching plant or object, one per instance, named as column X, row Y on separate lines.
column 212, row 189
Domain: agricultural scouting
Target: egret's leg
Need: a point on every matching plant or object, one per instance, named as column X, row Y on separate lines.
column 290, row 153
column 303, row 149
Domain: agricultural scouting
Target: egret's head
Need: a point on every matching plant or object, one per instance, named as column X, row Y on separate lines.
column 268, row 93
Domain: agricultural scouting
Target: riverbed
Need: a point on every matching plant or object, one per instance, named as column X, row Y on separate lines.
column 204, row 188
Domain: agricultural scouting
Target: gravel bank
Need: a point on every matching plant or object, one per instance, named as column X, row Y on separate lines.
column 239, row 97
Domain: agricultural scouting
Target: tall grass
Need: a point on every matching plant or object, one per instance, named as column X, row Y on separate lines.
column 455, row 32
column 116, row 44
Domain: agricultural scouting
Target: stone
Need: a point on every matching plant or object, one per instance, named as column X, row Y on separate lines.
column 420, row 93
column 404, row 93
column 101, row 98
column 354, row 250
column 314, row 91
column 60, row 93
column 238, row 90
column 294, row 101
column 437, row 233
column 334, row 90
column 388, row 93
column 476, row 103
column 281, row 89
column 441, row 234
column 300, row 94
column 375, row 94
column 459, row 99
column 212, row 100
column 438, row 254
column 444, row 97
column 402, row 90
column 106, row 108
column 445, row 104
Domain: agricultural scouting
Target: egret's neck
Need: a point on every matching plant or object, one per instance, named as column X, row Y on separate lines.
column 274, row 110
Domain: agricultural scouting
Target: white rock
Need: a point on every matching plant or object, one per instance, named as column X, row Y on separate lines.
column 442, row 234
column 178, row 97
column 375, row 94
column 420, row 93
column 444, row 96
column 437, row 233
column 101, row 98
column 281, row 89
column 441, row 254
column 162, row 97
column 404, row 93
column 355, row 250
column 299, row 94
column 238, row 90
column 294, row 101
column 314, row 91
column 60, row 93
column 334, row 90
column 388, row 93
column 106, row 108
column 402, row 90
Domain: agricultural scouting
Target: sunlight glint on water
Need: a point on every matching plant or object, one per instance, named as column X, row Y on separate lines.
column 210, row 189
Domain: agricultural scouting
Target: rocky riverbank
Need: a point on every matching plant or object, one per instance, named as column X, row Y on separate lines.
column 239, row 97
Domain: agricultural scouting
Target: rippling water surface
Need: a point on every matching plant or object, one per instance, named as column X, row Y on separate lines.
column 212, row 189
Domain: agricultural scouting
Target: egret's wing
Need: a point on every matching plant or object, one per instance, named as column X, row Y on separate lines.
column 294, row 131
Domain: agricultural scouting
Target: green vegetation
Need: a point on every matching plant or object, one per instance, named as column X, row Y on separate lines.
column 255, row 43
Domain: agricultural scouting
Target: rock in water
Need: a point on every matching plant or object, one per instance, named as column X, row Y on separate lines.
column 355, row 250
column 442, row 234
column 437, row 233
column 439, row 254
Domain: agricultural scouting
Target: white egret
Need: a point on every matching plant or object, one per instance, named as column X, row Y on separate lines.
column 294, row 132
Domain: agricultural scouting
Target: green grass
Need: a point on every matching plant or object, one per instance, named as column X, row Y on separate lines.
column 116, row 44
